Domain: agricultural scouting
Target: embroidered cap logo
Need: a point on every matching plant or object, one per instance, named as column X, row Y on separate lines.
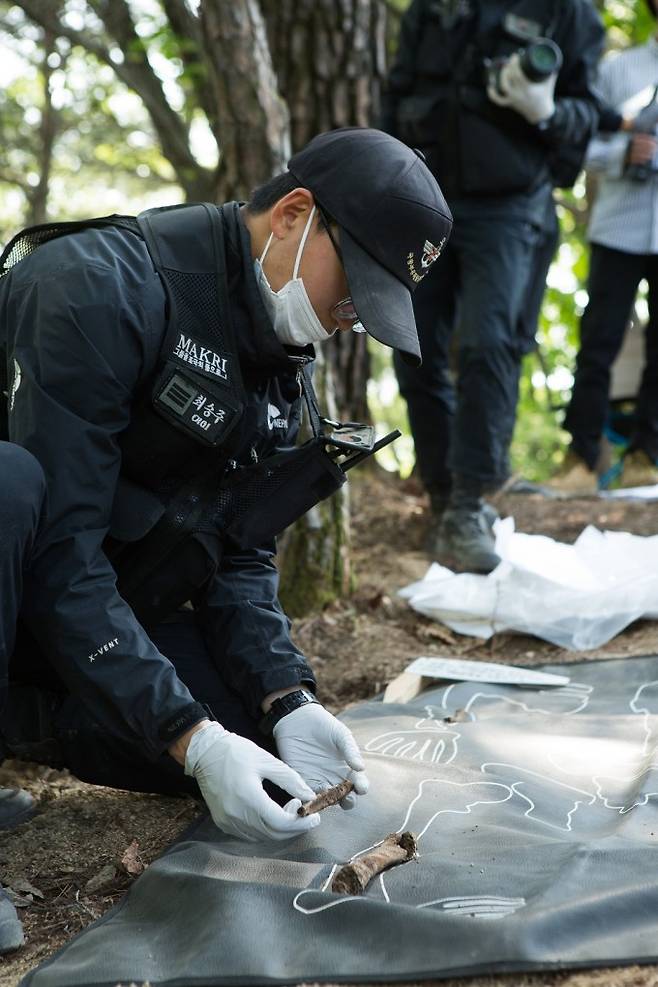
column 431, row 253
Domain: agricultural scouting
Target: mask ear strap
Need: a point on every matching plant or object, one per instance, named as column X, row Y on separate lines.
column 307, row 228
column 266, row 248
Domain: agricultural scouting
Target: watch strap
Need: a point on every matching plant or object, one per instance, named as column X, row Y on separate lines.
column 284, row 705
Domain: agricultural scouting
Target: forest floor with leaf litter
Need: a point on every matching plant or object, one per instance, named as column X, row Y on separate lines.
column 87, row 844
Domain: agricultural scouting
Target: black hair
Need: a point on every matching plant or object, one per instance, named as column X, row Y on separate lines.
column 651, row 4
column 268, row 194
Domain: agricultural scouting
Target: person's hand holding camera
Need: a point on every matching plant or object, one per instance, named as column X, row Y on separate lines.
column 512, row 89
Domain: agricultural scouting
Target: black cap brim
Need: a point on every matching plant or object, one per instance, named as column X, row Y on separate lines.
column 382, row 301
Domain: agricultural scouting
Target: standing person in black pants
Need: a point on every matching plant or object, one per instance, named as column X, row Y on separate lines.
column 497, row 139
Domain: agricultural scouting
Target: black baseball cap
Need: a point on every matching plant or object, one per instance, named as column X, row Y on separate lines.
column 393, row 223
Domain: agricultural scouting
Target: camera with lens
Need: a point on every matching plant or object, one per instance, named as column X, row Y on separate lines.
column 538, row 60
column 646, row 122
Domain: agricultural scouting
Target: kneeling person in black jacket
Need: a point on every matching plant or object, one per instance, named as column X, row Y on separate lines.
column 152, row 363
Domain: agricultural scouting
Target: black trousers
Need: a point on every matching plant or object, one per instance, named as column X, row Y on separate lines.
column 479, row 290
column 39, row 719
column 22, row 509
column 614, row 277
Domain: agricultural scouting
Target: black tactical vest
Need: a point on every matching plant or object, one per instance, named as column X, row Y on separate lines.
column 177, row 444
column 174, row 506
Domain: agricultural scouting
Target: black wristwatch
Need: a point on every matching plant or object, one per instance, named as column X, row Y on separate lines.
column 282, row 706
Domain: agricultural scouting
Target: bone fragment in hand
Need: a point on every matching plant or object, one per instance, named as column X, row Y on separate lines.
column 331, row 796
column 354, row 878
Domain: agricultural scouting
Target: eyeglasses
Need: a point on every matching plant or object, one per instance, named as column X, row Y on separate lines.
column 344, row 310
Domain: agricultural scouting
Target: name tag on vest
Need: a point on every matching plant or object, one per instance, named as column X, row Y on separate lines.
column 195, row 407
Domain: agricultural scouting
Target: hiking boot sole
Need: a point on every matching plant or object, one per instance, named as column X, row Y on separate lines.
column 11, row 930
column 482, row 568
column 16, row 808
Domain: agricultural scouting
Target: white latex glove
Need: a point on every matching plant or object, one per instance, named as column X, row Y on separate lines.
column 533, row 100
column 321, row 749
column 229, row 771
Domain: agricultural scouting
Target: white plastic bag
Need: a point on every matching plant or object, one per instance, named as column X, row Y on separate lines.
column 576, row 596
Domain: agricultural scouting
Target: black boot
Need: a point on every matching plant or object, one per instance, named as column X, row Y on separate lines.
column 11, row 930
column 464, row 540
column 439, row 500
column 16, row 807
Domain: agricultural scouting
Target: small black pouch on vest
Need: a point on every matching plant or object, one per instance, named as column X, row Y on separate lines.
column 262, row 500
column 258, row 502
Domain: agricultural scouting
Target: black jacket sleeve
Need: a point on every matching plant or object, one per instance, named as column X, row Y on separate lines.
column 81, row 338
column 246, row 630
column 581, row 37
column 579, row 34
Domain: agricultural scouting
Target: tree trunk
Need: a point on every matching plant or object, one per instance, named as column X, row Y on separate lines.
column 252, row 119
column 314, row 554
column 330, row 60
column 37, row 197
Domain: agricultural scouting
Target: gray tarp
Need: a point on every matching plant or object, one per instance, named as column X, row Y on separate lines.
column 538, row 826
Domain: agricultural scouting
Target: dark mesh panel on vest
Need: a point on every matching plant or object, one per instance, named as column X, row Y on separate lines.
column 26, row 242
column 196, row 296
column 259, row 487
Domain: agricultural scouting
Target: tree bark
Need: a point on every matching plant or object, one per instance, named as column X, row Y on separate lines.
column 330, row 60
column 37, row 197
column 314, row 554
column 252, row 118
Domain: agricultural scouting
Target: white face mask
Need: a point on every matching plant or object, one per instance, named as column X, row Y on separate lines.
column 293, row 317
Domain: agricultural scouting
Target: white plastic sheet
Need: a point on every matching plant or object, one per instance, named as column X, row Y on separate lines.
column 576, row 596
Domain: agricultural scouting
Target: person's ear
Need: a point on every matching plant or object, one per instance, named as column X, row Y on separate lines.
column 290, row 212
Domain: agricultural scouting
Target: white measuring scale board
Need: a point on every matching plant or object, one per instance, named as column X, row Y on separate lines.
column 461, row 670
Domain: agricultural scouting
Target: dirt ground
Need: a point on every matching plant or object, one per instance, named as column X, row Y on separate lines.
column 69, row 864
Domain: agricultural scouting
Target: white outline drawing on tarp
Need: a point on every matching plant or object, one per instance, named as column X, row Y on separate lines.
column 428, row 741
column 505, row 791
column 474, row 906
column 646, row 713
column 577, row 694
column 626, row 769
column 533, row 812
column 431, row 740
